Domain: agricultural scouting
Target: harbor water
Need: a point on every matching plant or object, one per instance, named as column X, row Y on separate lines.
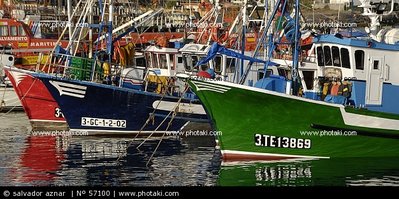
column 47, row 160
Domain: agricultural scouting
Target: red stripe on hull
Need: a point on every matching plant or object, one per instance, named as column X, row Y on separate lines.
column 230, row 157
column 35, row 98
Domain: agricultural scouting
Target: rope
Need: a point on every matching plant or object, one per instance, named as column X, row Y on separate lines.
column 166, row 117
column 150, row 117
column 163, row 135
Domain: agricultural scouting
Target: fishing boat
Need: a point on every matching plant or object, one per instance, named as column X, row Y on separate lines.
column 42, row 110
column 341, row 105
column 144, row 99
column 17, row 38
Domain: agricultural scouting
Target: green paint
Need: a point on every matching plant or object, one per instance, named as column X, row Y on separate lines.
column 241, row 113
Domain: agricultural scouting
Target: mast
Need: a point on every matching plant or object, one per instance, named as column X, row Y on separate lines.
column 244, row 30
column 261, row 40
column 109, row 42
column 90, row 33
column 69, row 12
column 295, row 82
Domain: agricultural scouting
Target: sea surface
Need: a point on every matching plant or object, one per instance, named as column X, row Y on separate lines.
column 32, row 160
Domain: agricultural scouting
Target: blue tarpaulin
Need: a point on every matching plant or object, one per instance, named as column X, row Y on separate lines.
column 216, row 48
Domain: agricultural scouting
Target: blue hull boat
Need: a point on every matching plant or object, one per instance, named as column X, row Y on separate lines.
column 106, row 109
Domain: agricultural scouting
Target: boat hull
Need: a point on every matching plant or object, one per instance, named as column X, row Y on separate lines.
column 41, row 108
column 105, row 109
column 257, row 124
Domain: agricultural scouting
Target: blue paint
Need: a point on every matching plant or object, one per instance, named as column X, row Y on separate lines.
column 178, row 44
column 110, row 102
column 132, row 86
column 157, row 71
column 358, row 94
column 251, row 83
column 389, row 97
column 312, row 95
column 335, row 99
column 356, row 42
column 272, row 83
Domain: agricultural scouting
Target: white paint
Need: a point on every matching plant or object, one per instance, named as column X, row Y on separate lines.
column 259, row 90
column 182, row 108
column 374, row 81
column 102, row 122
column 233, row 152
column 366, row 121
column 69, row 89
column 202, row 86
column 37, row 120
column 102, row 131
column 18, row 76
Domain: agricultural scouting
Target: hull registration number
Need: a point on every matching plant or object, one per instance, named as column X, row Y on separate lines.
column 101, row 122
column 282, row 142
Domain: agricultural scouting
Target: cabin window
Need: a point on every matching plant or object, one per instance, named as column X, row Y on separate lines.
column 282, row 72
column 141, row 61
column 230, row 65
column 308, row 77
column 163, row 63
column 376, row 64
column 189, row 62
column 21, row 31
column 261, row 73
column 194, row 60
column 179, row 60
column 13, row 31
column 359, row 59
column 320, row 56
column 148, row 58
column 217, row 63
column 345, row 58
column 3, row 31
column 154, row 60
column 327, row 56
column 186, row 60
column 335, row 55
column 172, row 62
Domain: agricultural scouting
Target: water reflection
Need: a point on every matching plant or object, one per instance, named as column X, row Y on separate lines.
column 333, row 172
column 40, row 160
column 48, row 160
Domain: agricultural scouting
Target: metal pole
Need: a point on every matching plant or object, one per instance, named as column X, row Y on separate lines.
column 295, row 83
column 110, row 46
column 69, row 10
column 244, row 30
column 91, row 32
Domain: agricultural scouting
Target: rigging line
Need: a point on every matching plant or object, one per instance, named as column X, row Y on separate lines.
column 86, row 11
column 163, row 135
column 60, row 37
column 169, row 123
column 146, row 122
column 166, row 117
